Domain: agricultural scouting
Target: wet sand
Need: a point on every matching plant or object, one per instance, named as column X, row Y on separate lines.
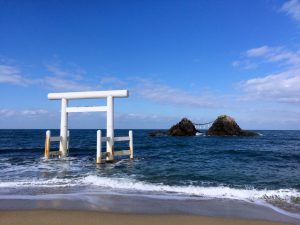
column 80, row 217
column 94, row 208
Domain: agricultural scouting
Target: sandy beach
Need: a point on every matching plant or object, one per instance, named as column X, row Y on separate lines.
column 79, row 217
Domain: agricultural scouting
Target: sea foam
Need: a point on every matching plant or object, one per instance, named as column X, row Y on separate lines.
column 190, row 190
column 133, row 185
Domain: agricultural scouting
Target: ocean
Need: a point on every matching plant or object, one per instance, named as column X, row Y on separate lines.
column 262, row 171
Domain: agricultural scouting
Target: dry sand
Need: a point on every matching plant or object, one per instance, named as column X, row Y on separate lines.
column 73, row 217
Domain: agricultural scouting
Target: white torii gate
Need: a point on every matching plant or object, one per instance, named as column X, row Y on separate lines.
column 109, row 108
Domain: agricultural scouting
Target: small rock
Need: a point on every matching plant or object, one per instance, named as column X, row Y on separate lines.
column 158, row 133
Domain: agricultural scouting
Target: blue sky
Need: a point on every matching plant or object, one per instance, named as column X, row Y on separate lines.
column 195, row 59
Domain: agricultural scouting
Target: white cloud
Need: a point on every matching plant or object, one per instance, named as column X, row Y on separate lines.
column 275, row 54
column 26, row 112
column 281, row 87
column 266, row 54
column 29, row 112
column 7, row 113
column 12, row 75
column 245, row 64
column 65, row 80
column 57, row 71
column 112, row 80
column 61, row 84
column 139, row 116
column 257, row 52
column 74, row 73
column 292, row 9
column 236, row 63
column 57, row 80
column 161, row 93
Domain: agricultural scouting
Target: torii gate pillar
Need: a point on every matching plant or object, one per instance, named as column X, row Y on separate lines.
column 110, row 129
column 63, row 146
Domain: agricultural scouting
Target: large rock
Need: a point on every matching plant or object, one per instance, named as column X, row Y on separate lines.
column 226, row 126
column 184, row 128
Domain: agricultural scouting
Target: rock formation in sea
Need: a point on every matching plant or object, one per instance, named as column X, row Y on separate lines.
column 184, row 128
column 226, row 126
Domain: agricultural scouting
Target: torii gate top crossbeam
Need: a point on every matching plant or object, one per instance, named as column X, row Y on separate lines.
column 88, row 94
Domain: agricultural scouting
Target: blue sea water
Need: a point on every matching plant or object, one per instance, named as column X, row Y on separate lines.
column 263, row 169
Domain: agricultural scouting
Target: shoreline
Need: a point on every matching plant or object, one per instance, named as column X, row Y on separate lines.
column 145, row 205
column 79, row 217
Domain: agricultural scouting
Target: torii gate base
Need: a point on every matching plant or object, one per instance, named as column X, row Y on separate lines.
column 109, row 108
column 101, row 139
